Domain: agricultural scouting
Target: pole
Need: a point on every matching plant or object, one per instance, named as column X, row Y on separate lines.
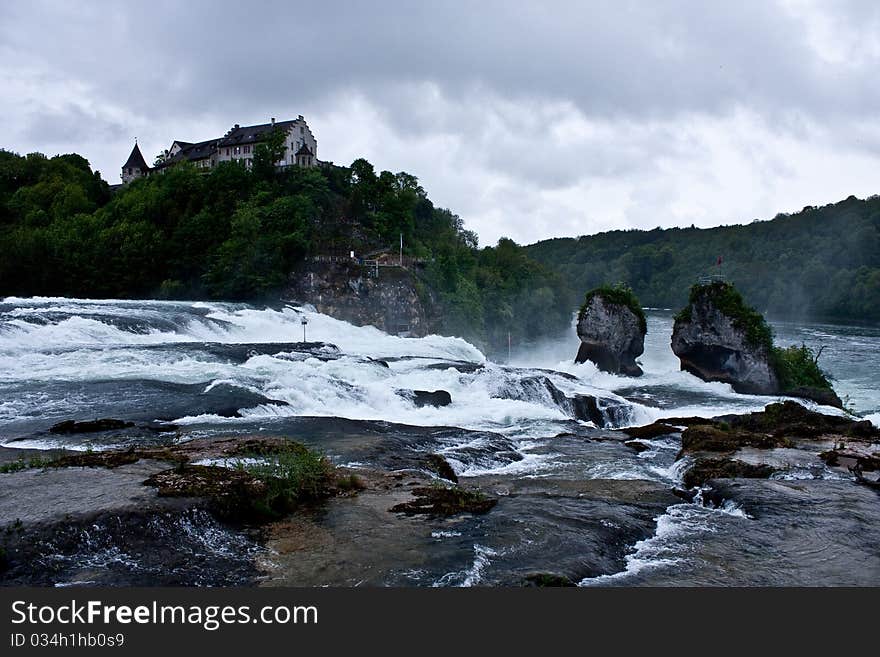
column 508, row 346
column 401, row 249
column 304, row 332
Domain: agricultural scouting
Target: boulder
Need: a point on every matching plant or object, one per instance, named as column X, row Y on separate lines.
column 440, row 466
column 422, row 398
column 612, row 333
column 440, row 501
column 90, row 426
column 718, row 338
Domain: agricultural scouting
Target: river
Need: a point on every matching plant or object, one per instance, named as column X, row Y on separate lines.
column 219, row 368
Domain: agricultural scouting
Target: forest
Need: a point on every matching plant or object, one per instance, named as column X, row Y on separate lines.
column 239, row 234
column 819, row 263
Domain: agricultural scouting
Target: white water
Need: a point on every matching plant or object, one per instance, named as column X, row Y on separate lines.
column 51, row 349
column 69, row 340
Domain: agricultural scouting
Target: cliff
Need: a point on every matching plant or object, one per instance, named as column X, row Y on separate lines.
column 394, row 301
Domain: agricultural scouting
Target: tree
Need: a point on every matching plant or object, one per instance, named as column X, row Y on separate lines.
column 269, row 153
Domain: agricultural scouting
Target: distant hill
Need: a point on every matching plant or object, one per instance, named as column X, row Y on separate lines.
column 822, row 262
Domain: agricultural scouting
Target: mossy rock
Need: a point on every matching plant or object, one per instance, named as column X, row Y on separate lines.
column 440, row 466
column 792, row 419
column 441, row 501
column 724, row 297
column 705, row 469
column 231, row 493
column 717, row 438
column 619, row 295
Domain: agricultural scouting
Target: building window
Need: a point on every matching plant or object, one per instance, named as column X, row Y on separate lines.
column 227, row 152
column 301, row 130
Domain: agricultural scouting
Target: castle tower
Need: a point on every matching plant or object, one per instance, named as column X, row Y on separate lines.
column 304, row 156
column 135, row 166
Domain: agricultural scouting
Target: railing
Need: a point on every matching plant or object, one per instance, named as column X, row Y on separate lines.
column 390, row 261
column 332, row 258
column 708, row 279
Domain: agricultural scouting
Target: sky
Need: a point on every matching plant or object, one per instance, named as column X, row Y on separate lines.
column 529, row 120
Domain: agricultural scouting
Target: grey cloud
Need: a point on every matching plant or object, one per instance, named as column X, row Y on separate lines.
column 474, row 96
column 623, row 59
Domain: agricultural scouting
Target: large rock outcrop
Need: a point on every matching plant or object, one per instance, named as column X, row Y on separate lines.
column 611, row 327
column 717, row 337
column 716, row 340
column 393, row 301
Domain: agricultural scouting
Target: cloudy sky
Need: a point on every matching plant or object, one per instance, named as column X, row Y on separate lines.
column 530, row 120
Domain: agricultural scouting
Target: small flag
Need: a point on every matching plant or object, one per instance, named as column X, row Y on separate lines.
column 720, row 260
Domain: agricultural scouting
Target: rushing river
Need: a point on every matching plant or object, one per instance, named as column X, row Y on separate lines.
column 217, row 368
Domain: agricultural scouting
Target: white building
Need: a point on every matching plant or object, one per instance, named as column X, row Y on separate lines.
column 238, row 144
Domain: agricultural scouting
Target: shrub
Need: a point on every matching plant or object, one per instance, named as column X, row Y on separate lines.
column 292, row 474
column 619, row 294
column 798, row 367
column 21, row 464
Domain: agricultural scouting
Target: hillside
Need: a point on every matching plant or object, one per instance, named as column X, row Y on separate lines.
column 240, row 234
column 822, row 262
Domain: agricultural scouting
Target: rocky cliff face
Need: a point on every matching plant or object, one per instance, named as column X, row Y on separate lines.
column 344, row 290
column 611, row 335
column 713, row 347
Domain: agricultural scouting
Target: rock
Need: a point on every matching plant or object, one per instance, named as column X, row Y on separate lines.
column 440, row 501
column 545, row 580
column 822, row 396
column 709, row 438
column 607, row 413
column 441, row 467
column 395, row 301
column 94, row 526
column 422, row 398
column 612, row 335
column 792, row 419
column 718, row 338
column 637, row 445
column 783, row 437
column 648, row 431
column 724, row 468
column 90, row 426
column 231, row 493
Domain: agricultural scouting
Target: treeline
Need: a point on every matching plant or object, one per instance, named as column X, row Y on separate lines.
column 238, row 234
column 822, row 262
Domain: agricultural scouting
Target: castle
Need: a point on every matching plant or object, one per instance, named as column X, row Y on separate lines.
column 237, row 145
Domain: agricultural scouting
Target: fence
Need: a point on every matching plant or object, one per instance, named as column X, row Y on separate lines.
column 711, row 278
column 406, row 262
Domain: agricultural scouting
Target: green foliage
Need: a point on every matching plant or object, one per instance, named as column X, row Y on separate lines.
column 798, row 367
column 238, row 234
column 725, row 297
column 22, row 464
column 292, row 474
column 621, row 295
column 819, row 262
column 268, row 153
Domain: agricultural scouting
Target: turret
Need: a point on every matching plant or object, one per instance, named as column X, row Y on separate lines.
column 135, row 166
